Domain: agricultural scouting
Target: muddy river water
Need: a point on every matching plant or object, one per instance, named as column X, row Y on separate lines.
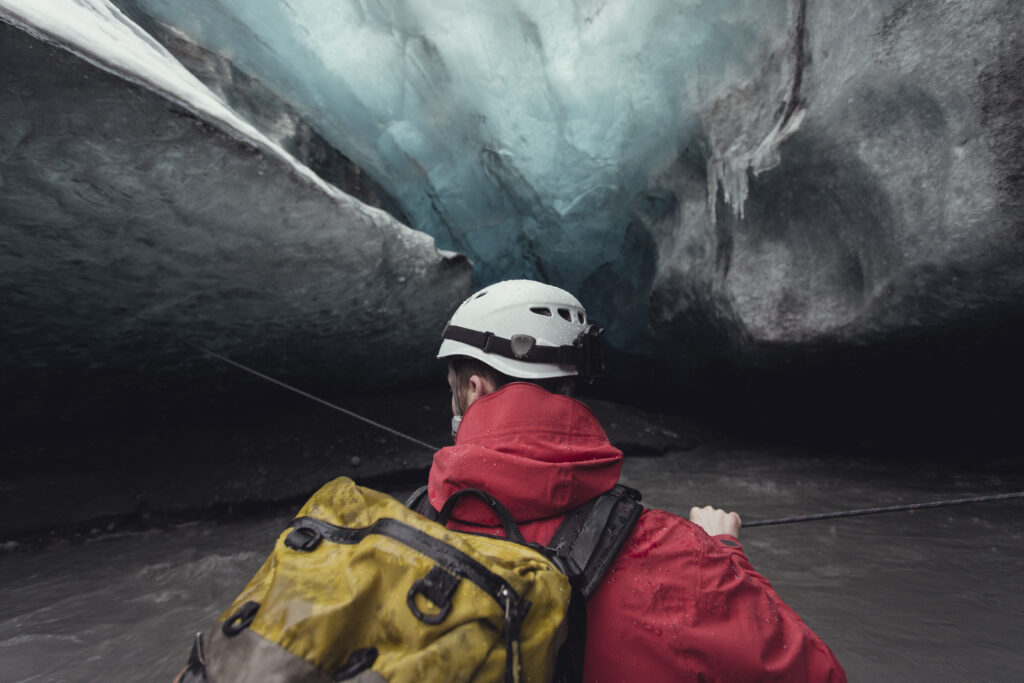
column 930, row 595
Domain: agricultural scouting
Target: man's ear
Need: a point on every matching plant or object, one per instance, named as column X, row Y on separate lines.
column 478, row 387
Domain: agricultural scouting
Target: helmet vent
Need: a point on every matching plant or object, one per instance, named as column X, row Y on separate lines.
column 480, row 294
column 540, row 310
column 566, row 315
column 579, row 316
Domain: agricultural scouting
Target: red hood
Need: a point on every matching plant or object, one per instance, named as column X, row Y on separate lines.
column 540, row 454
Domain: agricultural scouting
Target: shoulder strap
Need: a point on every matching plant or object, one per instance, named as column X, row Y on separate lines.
column 587, row 542
column 591, row 536
column 420, row 502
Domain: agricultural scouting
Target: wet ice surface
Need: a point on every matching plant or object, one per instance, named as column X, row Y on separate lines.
column 929, row 595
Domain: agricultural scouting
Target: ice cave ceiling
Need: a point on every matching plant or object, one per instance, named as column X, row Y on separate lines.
column 734, row 181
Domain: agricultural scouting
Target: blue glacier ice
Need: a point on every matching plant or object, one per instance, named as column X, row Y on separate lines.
column 518, row 133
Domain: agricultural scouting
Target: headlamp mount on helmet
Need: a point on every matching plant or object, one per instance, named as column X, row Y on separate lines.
column 589, row 359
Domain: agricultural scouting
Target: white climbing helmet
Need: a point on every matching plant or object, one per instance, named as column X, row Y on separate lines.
column 525, row 329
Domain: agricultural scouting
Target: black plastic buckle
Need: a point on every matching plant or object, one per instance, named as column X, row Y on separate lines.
column 303, row 538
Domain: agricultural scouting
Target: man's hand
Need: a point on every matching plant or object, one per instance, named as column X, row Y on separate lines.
column 715, row 521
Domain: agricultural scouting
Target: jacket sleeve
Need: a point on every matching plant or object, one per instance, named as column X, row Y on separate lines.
column 696, row 609
column 732, row 546
column 790, row 649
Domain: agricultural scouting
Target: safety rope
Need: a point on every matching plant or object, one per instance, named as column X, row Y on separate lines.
column 878, row 510
column 289, row 387
column 746, row 525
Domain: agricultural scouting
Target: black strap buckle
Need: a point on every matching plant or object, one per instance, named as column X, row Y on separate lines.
column 303, row 538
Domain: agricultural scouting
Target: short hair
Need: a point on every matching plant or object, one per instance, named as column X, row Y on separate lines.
column 465, row 367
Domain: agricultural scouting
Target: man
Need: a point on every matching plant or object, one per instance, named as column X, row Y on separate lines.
column 681, row 601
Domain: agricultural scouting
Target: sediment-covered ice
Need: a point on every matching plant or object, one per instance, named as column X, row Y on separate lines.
column 139, row 214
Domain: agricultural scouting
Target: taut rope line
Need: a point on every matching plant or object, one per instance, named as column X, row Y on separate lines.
column 289, row 387
column 746, row 525
column 889, row 508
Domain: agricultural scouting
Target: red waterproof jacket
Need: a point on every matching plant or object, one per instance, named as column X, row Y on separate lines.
column 676, row 605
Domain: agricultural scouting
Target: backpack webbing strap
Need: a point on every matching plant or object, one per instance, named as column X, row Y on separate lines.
column 587, row 541
column 591, row 536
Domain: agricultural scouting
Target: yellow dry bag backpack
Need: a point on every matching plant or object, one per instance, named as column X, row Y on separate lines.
column 362, row 588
